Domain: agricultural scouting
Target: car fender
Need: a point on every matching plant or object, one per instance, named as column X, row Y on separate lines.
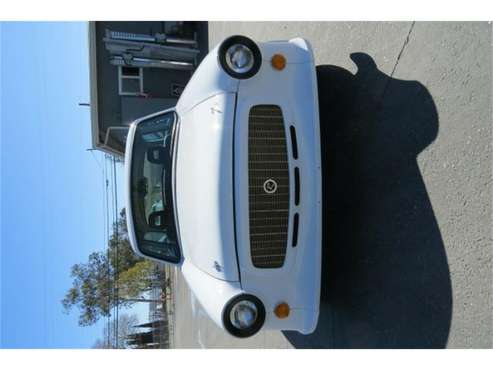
column 211, row 293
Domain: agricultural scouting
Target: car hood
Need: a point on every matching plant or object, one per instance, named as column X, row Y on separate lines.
column 204, row 186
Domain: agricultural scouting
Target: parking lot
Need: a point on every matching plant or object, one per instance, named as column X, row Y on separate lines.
column 406, row 124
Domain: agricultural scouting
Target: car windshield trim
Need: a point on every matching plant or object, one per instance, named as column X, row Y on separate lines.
column 151, row 193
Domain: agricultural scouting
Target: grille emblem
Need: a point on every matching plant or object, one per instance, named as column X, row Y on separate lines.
column 270, row 186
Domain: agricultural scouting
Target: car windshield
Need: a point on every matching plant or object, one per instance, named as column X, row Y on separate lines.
column 151, row 195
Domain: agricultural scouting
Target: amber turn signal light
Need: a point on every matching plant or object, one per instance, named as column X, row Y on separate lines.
column 282, row 310
column 278, row 62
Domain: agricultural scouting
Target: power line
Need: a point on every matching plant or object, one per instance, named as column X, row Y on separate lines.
column 117, row 245
column 91, row 151
column 107, row 238
column 109, row 175
column 114, row 271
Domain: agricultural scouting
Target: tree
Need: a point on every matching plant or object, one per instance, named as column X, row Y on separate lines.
column 119, row 245
column 126, row 326
column 93, row 286
column 137, row 279
column 91, row 289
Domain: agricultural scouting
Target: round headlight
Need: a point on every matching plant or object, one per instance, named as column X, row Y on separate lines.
column 243, row 314
column 239, row 58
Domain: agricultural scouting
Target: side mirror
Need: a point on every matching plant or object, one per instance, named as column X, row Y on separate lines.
column 157, row 154
column 157, row 220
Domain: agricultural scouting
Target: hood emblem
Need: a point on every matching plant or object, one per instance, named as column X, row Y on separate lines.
column 217, row 266
column 270, row 186
column 215, row 109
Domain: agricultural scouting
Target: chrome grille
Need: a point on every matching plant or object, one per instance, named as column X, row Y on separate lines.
column 268, row 210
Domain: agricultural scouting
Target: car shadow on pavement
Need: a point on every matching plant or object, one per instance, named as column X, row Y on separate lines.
column 385, row 277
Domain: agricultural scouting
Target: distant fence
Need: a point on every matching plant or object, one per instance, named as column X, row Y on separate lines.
column 159, row 330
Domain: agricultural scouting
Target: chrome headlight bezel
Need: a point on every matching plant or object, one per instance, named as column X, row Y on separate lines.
column 243, row 314
column 239, row 57
column 236, row 319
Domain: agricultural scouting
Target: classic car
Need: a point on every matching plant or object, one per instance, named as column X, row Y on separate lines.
column 227, row 186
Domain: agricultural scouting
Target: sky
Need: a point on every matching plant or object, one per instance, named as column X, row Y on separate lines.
column 51, row 187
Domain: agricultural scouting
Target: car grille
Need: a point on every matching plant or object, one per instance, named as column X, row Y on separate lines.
column 268, row 181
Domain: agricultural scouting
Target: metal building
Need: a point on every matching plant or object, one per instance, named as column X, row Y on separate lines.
column 138, row 68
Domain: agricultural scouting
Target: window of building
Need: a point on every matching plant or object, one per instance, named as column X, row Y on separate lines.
column 130, row 81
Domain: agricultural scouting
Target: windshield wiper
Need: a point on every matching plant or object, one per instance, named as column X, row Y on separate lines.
column 163, row 186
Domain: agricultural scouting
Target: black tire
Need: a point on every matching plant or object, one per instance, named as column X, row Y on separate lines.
column 252, row 330
column 257, row 56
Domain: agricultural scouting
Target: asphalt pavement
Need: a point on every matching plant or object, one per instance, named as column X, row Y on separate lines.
column 406, row 125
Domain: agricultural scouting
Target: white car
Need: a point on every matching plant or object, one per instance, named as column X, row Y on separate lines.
column 227, row 186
